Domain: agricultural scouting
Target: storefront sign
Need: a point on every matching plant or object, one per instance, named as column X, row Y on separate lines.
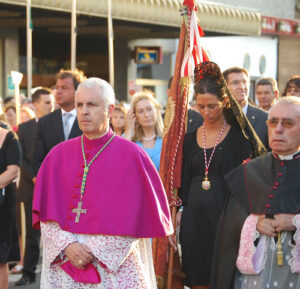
column 268, row 25
column 279, row 26
column 148, row 55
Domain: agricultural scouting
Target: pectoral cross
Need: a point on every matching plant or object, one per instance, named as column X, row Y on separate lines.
column 78, row 211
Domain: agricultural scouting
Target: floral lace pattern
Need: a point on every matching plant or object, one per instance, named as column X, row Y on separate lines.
column 294, row 262
column 247, row 248
column 127, row 260
column 272, row 276
column 55, row 240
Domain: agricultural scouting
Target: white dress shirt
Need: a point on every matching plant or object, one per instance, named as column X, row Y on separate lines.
column 245, row 108
column 71, row 118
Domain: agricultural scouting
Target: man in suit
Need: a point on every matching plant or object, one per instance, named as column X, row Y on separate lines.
column 43, row 102
column 61, row 124
column 238, row 82
column 267, row 92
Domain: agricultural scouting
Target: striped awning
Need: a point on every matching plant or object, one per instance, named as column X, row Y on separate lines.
column 213, row 17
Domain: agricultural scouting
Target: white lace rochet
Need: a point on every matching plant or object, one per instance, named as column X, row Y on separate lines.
column 128, row 260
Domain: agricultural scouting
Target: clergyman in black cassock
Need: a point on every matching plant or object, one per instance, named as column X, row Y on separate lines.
column 264, row 201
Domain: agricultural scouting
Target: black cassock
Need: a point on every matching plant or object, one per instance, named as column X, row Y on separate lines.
column 265, row 186
column 202, row 209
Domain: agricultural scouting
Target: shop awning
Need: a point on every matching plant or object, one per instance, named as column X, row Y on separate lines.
column 213, row 17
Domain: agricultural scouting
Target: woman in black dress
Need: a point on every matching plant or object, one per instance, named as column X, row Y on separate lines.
column 224, row 141
column 10, row 158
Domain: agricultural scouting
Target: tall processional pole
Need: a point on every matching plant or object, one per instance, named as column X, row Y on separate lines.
column 189, row 54
column 73, row 36
column 29, row 48
column 110, row 45
column 17, row 78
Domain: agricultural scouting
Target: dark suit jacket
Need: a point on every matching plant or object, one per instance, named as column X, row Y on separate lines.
column 50, row 132
column 257, row 118
column 194, row 120
column 26, row 134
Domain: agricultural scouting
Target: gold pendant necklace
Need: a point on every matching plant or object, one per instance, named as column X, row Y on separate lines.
column 206, row 185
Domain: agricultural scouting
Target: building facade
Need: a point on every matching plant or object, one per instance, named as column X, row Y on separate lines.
column 137, row 23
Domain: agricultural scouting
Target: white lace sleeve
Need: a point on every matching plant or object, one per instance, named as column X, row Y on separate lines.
column 111, row 251
column 295, row 260
column 55, row 240
column 250, row 258
column 123, row 262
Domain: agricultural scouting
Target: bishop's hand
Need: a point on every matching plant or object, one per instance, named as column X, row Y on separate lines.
column 266, row 226
column 79, row 255
column 284, row 222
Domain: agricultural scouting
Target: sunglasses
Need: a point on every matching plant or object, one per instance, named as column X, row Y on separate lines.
column 285, row 123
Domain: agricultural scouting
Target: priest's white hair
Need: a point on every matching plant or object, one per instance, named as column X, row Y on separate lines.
column 291, row 100
column 105, row 90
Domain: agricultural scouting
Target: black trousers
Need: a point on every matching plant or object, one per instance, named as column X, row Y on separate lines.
column 32, row 246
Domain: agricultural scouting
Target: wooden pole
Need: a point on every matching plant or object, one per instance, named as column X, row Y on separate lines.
column 23, row 228
column 17, row 101
column 171, row 251
column 17, row 77
column 73, row 36
column 29, row 48
column 110, row 45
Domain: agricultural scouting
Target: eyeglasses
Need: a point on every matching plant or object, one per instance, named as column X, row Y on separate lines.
column 238, row 82
column 285, row 122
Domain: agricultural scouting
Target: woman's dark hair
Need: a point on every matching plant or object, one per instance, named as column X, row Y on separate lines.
column 207, row 85
column 293, row 81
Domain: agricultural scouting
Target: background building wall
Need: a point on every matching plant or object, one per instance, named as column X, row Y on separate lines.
column 274, row 8
column 1, row 65
column 297, row 13
column 121, row 59
column 10, row 60
column 289, row 59
column 153, row 76
column 245, row 52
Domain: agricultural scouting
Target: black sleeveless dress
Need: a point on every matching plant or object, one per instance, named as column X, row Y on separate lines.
column 202, row 209
column 10, row 154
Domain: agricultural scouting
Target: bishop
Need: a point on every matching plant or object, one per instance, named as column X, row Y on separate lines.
column 116, row 194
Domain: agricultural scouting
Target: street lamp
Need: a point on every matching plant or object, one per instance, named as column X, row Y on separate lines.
column 17, row 78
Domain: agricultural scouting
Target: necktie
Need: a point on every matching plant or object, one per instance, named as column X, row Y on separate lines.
column 66, row 124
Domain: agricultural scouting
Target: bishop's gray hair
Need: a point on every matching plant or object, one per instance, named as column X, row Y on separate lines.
column 103, row 87
column 291, row 100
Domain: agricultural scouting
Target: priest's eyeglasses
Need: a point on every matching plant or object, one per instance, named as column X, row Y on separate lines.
column 285, row 122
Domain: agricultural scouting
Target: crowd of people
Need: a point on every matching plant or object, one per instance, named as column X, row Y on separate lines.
column 82, row 158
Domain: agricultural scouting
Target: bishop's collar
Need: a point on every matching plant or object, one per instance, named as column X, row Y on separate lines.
column 289, row 157
column 90, row 143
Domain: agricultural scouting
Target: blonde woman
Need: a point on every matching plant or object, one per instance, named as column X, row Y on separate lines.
column 26, row 114
column 117, row 121
column 145, row 125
